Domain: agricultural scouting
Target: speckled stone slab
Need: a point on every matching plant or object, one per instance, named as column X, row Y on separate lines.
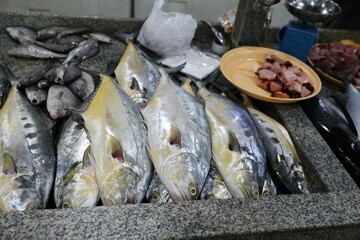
column 331, row 211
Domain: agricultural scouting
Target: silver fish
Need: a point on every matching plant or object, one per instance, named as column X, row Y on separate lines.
column 179, row 139
column 157, row 192
column 237, row 149
column 86, row 49
column 5, row 84
column 101, row 37
column 215, row 187
column 59, row 48
column 27, row 159
column 49, row 32
column 83, row 87
column 137, row 75
column 44, row 84
column 59, row 101
column 36, row 95
column 119, row 144
column 33, row 51
column 22, row 34
column 75, row 182
column 282, row 156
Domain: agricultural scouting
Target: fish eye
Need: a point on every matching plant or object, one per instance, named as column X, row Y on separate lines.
column 65, row 205
column 193, row 191
column 255, row 194
column 155, row 197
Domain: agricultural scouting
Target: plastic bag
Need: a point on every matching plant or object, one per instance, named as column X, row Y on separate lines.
column 167, row 33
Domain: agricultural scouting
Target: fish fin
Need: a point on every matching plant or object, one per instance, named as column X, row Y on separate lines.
column 117, row 152
column 8, row 165
column 174, row 137
column 148, row 152
column 125, row 37
column 173, row 69
column 76, row 116
column 234, row 144
column 134, row 84
column 87, row 158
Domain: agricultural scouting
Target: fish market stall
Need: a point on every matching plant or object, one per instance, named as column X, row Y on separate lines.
column 331, row 208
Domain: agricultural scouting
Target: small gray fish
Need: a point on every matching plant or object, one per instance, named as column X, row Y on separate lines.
column 72, row 31
column 33, row 77
column 49, row 32
column 44, row 84
column 101, row 37
column 22, row 34
column 72, row 72
column 214, row 187
column 60, row 100
column 59, row 48
column 36, row 95
column 33, row 51
column 73, row 40
column 86, row 49
column 83, row 87
column 4, row 84
column 55, row 74
column 75, row 182
column 157, row 192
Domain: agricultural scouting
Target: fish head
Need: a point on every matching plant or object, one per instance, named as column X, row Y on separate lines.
column 19, row 194
column 182, row 176
column 298, row 178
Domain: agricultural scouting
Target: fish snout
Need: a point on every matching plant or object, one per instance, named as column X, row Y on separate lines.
column 23, row 200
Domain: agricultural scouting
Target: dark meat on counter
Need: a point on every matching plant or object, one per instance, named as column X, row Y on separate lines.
column 337, row 56
column 283, row 79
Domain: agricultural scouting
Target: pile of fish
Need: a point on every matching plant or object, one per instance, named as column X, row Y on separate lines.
column 143, row 138
column 62, row 85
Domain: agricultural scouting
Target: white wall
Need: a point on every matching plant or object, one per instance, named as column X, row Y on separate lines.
column 280, row 15
column 200, row 9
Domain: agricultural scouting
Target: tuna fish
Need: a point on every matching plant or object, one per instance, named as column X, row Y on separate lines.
column 75, row 183
column 179, row 140
column 27, row 157
column 119, row 144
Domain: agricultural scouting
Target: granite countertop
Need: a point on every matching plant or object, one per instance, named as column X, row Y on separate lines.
column 331, row 209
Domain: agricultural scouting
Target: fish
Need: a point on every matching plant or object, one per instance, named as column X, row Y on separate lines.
column 55, row 73
column 27, row 158
column 83, row 87
column 60, row 100
column 282, row 157
column 72, row 31
column 22, row 34
column 75, row 182
column 86, row 49
column 269, row 188
column 5, row 84
column 179, row 139
column 58, row 48
column 73, row 40
column 215, row 187
column 236, row 145
column 36, row 95
column 352, row 107
column 72, row 73
column 50, row 32
column 32, row 77
column 100, row 37
column 118, row 136
column 34, row 51
column 137, row 75
column 333, row 126
column 157, row 192
column 44, row 84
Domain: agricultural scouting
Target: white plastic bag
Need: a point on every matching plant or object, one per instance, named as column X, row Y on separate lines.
column 167, row 33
